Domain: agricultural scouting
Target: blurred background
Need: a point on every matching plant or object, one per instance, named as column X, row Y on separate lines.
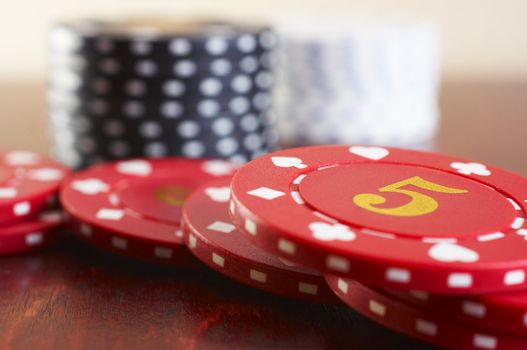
column 481, row 38
column 483, row 57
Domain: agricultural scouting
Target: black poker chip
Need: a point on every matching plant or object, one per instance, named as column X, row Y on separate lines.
column 123, row 90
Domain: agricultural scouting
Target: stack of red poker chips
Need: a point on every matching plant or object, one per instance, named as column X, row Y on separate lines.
column 438, row 328
column 436, row 243
column 153, row 209
column 213, row 239
column 428, row 245
column 133, row 207
column 29, row 183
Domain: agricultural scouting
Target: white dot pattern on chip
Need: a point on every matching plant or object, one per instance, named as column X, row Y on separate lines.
column 377, row 308
column 156, row 149
column 174, row 88
column 208, row 108
column 223, row 126
column 185, row 68
column 222, row 87
column 216, row 45
column 135, row 88
column 308, row 288
column 227, row 146
column 474, row 309
column 258, row 276
column 218, row 259
column 220, row 226
column 180, row 47
column 220, row 67
column 210, row 87
column 8, row 192
column 141, row 48
column 246, row 43
column 426, row 327
column 119, row 243
column 22, row 208
column 193, row 149
column 146, row 68
column 188, row 129
column 171, row 109
column 398, row 275
column 163, row 253
column 110, row 214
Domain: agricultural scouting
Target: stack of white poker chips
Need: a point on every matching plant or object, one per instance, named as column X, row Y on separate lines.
column 340, row 82
column 127, row 89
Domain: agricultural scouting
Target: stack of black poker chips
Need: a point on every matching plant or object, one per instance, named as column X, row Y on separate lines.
column 119, row 91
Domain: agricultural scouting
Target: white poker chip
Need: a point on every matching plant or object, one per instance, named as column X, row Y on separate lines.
column 355, row 82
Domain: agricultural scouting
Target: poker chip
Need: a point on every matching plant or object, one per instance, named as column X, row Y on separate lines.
column 367, row 82
column 212, row 238
column 122, row 90
column 28, row 182
column 33, row 234
column 411, row 321
column 166, row 253
column 134, row 207
column 390, row 217
column 501, row 311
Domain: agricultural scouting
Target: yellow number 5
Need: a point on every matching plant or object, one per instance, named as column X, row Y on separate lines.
column 420, row 204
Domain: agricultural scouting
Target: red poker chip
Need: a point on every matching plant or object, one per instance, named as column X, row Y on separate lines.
column 397, row 218
column 213, row 239
column 134, row 207
column 129, row 247
column 28, row 181
column 34, row 234
column 412, row 321
column 501, row 311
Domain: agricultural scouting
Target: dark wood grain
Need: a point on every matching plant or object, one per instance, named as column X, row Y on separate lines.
column 73, row 296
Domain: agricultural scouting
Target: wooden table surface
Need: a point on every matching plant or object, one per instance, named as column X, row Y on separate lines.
column 73, row 296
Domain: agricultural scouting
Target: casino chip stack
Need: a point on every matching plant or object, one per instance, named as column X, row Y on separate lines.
column 212, row 238
column 428, row 245
column 345, row 82
column 440, row 329
column 134, row 207
column 431, row 246
column 134, row 89
column 28, row 187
